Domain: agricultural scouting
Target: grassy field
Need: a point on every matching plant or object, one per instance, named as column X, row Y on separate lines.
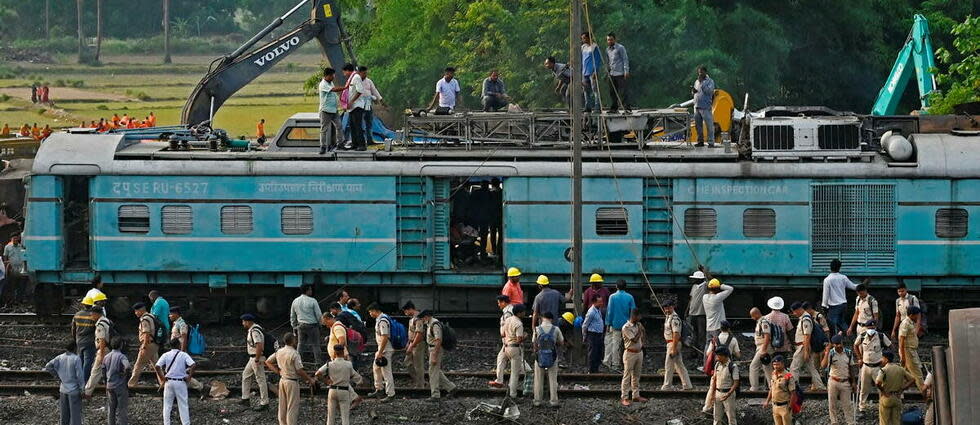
column 145, row 86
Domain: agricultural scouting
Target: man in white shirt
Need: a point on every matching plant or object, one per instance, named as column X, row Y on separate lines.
column 714, row 308
column 447, row 93
column 358, row 98
column 174, row 369
column 15, row 268
column 835, row 298
column 375, row 96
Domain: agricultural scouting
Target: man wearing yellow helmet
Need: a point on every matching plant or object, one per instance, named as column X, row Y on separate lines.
column 548, row 300
column 714, row 308
column 596, row 289
column 83, row 331
column 512, row 289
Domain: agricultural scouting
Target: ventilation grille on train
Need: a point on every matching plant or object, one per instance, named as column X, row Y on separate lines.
column 839, row 137
column 773, row 137
column 855, row 223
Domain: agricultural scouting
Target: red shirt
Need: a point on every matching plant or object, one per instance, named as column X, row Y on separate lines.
column 602, row 292
column 514, row 292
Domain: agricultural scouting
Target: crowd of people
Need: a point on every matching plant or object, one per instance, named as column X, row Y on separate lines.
column 612, row 329
column 475, row 225
column 34, row 132
column 125, row 122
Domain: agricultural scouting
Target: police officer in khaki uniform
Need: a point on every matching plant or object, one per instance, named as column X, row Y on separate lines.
column 724, row 383
column 547, row 327
column 802, row 355
column 102, row 330
column 633, row 335
column 868, row 349
column 338, row 332
column 384, row 380
column 255, row 368
column 415, row 350
column 513, row 338
column 673, row 362
column 908, row 343
column 781, row 386
column 840, row 382
column 287, row 363
column 892, row 380
column 340, row 377
column 433, row 337
column 506, row 312
column 760, row 368
column 180, row 331
column 865, row 311
column 902, row 304
column 149, row 351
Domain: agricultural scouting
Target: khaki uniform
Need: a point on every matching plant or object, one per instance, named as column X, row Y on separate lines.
column 179, row 330
column 867, row 309
column 871, row 349
column 149, row 352
column 416, row 358
column 383, row 378
column 892, row 379
column 725, row 377
column 342, row 379
column 633, row 335
column 839, row 387
column 102, row 344
column 544, row 328
column 288, row 360
column 437, row 380
column 757, row 369
column 513, row 335
column 502, row 360
column 781, row 386
column 255, row 366
column 911, row 355
column 672, row 325
column 902, row 305
column 338, row 335
column 804, row 328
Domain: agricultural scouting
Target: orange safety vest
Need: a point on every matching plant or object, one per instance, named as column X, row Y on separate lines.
column 260, row 130
column 25, row 130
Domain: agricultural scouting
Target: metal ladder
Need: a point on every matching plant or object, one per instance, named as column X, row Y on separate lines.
column 657, row 226
column 412, row 223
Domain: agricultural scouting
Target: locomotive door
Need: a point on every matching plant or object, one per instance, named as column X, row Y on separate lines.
column 76, row 222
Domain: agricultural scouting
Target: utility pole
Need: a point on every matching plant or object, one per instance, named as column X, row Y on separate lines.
column 166, row 31
column 575, row 112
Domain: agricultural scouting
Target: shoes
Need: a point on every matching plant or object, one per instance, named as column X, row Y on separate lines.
column 374, row 394
column 640, row 399
column 699, row 145
column 665, row 388
column 495, row 384
column 554, row 405
column 625, row 402
column 537, row 404
column 322, row 151
column 689, row 388
column 386, row 398
column 711, row 145
column 261, row 407
column 245, row 402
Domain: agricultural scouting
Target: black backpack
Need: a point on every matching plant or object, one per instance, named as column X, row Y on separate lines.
column 448, row 337
column 818, row 339
column 778, row 335
column 113, row 332
column 269, row 344
column 159, row 332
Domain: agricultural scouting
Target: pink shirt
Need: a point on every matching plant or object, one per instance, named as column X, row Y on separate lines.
column 514, row 292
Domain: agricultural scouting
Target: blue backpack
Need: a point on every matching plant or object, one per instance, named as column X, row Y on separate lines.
column 547, row 348
column 196, row 344
column 399, row 334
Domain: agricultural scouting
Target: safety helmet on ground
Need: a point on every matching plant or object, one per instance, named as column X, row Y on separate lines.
column 543, row 280
column 99, row 297
column 87, row 301
column 596, row 277
column 569, row 317
column 513, row 272
column 714, row 283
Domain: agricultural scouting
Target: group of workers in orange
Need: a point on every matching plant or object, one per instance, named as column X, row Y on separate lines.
column 35, row 132
column 116, row 122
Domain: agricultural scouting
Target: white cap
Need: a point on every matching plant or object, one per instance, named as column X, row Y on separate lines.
column 697, row 275
column 776, row 303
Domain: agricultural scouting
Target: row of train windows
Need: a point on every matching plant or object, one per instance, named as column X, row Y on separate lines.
column 235, row 219
column 761, row 222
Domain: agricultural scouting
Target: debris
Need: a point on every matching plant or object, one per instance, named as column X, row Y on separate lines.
column 508, row 410
column 219, row 390
column 596, row 418
column 580, row 387
column 675, row 422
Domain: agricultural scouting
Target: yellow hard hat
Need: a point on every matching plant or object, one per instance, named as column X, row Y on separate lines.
column 87, row 301
column 569, row 317
column 714, row 283
column 596, row 277
column 98, row 297
column 543, row 280
column 513, row 272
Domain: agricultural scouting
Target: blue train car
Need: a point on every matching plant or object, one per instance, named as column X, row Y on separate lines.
column 235, row 228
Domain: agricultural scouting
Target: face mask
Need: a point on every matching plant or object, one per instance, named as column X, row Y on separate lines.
column 872, row 332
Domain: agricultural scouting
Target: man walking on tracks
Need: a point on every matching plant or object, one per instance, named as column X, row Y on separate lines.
column 102, row 329
column 892, row 380
column 902, row 304
column 548, row 338
column 149, row 351
column 760, row 368
column 724, row 384
column 840, row 381
column 866, row 311
column 68, row 368
column 174, row 369
column 781, row 387
column 415, row 351
column 340, row 378
column 255, row 368
column 384, row 380
column 434, row 337
column 908, row 345
column 673, row 361
column 801, row 357
column 161, row 310
column 621, row 304
column 287, row 363
column 868, row 349
column 633, row 335
column 304, row 317
column 506, row 312
column 835, row 297
column 114, row 366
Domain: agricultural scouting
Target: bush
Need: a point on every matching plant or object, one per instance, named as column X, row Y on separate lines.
column 102, row 108
column 4, row 97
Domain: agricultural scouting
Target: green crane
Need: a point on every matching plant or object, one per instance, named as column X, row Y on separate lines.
column 916, row 56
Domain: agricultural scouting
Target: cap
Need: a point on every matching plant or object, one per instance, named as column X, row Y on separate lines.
column 595, row 278
column 913, row 310
column 870, row 323
column 697, row 275
column 248, row 316
column 714, row 283
column 543, row 280
column 806, row 305
column 98, row 297
column 569, row 317
column 513, row 272
column 723, row 350
column 425, row 313
column 776, row 303
column 837, row 339
column 503, row 299
column 175, row 309
column 889, row 355
column 139, row 306
column 725, row 324
column 796, row 306
column 87, row 301
column 669, row 302
column 778, row 358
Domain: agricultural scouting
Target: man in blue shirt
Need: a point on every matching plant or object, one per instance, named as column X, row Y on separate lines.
column 704, row 97
column 330, row 124
column 593, row 327
column 617, row 314
column 68, row 368
column 591, row 62
column 160, row 309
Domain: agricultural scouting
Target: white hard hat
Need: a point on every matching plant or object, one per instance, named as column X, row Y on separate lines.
column 776, row 303
column 697, row 275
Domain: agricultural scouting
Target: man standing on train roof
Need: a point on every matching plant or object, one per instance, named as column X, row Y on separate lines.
column 621, row 304
column 548, row 300
column 596, row 289
column 714, row 308
column 260, row 132
column 902, row 304
column 704, row 97
column 695, row 307
column 331, row 127
column 619, row 72
column 161, row 309
column 591, row 63
column 835, row 297
column 866, row 310
column 448, row 93
column 512, row 289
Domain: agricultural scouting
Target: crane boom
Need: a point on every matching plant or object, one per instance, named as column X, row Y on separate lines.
column 236, row 70
column 916, row 56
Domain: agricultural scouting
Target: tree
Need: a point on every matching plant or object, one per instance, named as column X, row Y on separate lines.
column 963, row 77
column 166, row 31
column 98, row 30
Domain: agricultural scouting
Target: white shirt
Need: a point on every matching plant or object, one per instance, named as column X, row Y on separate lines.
column 175, row 363
column 833, row 289
column 714, row 307
column 357, row 86
column 371, row 90
column 447, row 92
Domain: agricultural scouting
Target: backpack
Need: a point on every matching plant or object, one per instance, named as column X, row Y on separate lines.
column 196, row 345
column 778, row 335
column 547, row 348
column 113, row 332
column 398, row 333
column 709, row 361
column 818, row 339
column 269, row 343
column 159, row 332
column 351, row 321
column 687, row 332
column 796, row 399
column 448, row 337
column 355, row 342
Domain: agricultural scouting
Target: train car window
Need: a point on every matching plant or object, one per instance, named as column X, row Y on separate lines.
column 236, row 219
column 611, row 222
column 952, row 222
column 134, row 218
column 700, row 222
column 297, row 220
column 301, row 137
column 176, row 219
column 759, row 223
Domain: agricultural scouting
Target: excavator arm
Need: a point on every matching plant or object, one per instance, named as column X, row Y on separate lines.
column 230, row 73
column 916, row 56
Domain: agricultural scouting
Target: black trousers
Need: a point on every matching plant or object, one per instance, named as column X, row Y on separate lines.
column 617, row 84
column 356, row 125
column 369, row 126
column 597, row 348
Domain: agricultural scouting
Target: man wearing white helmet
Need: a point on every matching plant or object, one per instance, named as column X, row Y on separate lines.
column 695, row 308
column 778, row 318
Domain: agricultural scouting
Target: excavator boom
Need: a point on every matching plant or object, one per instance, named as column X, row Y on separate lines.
column 236, row 70
column 916, row 57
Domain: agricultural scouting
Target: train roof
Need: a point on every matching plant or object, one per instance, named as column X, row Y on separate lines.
column 937, row 156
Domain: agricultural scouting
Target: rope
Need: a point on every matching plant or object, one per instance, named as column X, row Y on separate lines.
column 588, row 23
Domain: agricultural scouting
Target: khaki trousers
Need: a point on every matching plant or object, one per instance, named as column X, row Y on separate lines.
column 867, row 384
column 799, row 361
column 515, row 357
column 289, row 399
column 632, row 368
column 255, row 368
column 338, row 401
column 415, row 361
column 539, row 375
column 438, row 380
column 383, row 378
column 912, row 364
column 96, row 375
column 839, row 400
column 147, row 356
column 724, row 408
column 614, row 348
column 758, row 370
column 501, row 364
column 782, row 415
column 675, row 364
column 890, row 411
